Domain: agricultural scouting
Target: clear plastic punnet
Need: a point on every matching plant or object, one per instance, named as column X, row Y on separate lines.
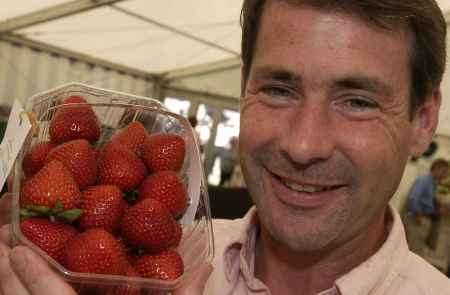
column 114, row 111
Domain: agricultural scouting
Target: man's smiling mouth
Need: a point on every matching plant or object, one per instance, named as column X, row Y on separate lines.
column 306, row 188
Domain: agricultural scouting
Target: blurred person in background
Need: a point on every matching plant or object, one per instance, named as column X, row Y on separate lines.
column 194, row 122
column 423, row 207
column 229, row 158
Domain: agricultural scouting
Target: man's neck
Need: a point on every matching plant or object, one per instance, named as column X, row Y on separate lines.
column 288, row 272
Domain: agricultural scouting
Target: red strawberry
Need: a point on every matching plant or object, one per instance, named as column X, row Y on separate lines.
column 121, row 167
column 35, row 158
column 74, row 99
column 103, row 206
column 176, row 238
column 166, row 265
column 164, row 152
column 132, row 136
column 149, row 225
column 95, row 251
column 74, row 121
column 126, row 289
column 79, row 157
column 51, row 237
column 166, row 187
column 126, row 249
column 52, row 183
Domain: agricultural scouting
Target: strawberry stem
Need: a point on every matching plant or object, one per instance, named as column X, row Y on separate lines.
column 58, row 208
column 25, row 213
column 69, row 215
column 40, row 210
column 131, row 197
column 55, row 213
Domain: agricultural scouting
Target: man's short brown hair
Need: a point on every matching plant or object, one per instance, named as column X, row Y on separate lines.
column 423, row 18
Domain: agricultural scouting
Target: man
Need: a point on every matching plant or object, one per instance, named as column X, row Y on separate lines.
column 336, row 96
column 332, row 107
column 421, row 206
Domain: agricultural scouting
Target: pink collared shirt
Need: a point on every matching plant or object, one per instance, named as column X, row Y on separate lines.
column 392, row 270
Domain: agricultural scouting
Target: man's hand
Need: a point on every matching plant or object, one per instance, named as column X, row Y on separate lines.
column 23, row 272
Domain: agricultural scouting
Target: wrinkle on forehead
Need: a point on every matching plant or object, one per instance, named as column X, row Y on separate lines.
column 327, row 23
column 336, row 35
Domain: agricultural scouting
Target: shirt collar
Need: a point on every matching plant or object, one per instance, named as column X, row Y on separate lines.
column 239, row 254
column 378, row 270
column 383, row 266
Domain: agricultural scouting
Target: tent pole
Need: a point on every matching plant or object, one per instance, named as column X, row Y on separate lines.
column 51, row 13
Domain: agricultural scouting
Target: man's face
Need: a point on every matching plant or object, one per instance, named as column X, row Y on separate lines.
column 325, row 131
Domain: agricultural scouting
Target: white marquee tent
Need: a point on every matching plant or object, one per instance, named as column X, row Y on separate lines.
column 181, row 41
column 159, row 48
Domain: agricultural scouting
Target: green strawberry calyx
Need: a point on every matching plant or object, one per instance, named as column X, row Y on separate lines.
column 55, row 213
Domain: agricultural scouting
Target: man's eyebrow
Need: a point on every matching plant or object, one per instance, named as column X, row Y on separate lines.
column 366, row 83
column 275, row 73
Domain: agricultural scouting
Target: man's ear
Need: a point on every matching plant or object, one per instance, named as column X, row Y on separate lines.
column 425, row 120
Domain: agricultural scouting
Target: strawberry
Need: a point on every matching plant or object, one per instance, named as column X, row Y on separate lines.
column 51, row 237
column 52, row 183
column 119, row 166
column 149, row 225
column 126, row 289
column 163, row 151
column 132, row 136
column 74, row 121
column 166, row 187
column 35, row 158
column 95, row 251
column 103, row 206
column 176, row 238
column 79, row 157
column 74, row 99
column 166, row 265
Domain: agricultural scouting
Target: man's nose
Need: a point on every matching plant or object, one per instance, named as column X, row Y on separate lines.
column 310, row 136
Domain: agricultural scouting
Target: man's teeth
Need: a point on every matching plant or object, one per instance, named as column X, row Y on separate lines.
column 305, row 188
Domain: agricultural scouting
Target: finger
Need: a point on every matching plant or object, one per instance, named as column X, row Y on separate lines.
column 5, row 234
column 36, row 275
column 196, row 285
column 5, row 208
column 9, row 283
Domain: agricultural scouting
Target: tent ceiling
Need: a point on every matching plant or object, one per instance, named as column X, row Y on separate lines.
column 153, row 36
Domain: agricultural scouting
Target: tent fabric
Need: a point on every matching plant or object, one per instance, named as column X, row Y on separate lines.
column 170, row 36
column 195, row 44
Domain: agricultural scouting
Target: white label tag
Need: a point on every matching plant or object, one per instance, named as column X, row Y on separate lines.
column 15, row 135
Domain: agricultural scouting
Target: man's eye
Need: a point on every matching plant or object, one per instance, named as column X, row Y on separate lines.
column 274, row 91
column 360, row 104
